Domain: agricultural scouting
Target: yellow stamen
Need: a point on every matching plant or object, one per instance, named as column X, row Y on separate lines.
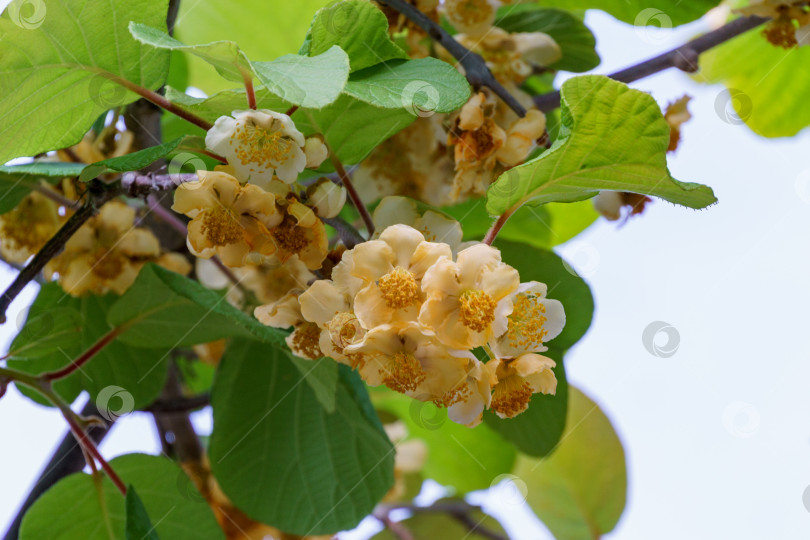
column 477, row 310
column 399, row 288
column 527, row 321
column 403, row 372
column 256, row 145
column 221, row 227
column 289, row 236
column 511, row 396
column 306, row 340
column 108, row 263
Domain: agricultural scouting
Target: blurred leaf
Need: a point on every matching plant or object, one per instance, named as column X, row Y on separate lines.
column 52, row 71
column 264, row 31
column 766, row 85
column 463, row 458
column 579, row 492
column 359, row 28
column 138, row 160
column 165, row 309
column 139, row 526
column 281, row 458
column 17, row 181
column 425, row 84
column 615, row 138
column 576, row 41
column 663, row 13
column 71, row 509
column 60, row 327
column 537, row 430
column 432, row 525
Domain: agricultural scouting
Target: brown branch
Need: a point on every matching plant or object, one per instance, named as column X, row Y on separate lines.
column 135, row 184
column 346, row 180
column 684, row 57
column 179, row 404
column 475, row 68
column 85, row 357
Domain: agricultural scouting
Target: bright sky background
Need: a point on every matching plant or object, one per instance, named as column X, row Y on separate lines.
column 717, row 436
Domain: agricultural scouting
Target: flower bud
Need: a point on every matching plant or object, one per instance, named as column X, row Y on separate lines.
column 316, row 152
column 326, row 197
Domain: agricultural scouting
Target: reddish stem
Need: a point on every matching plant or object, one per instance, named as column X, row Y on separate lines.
column 291, row 110
column 88, row 445
column 85, row 357
column 493, row 231
column 249, row 91
column 353, row 195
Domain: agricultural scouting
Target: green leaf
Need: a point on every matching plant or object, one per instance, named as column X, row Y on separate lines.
column 538, row 430
column 563, row 285
column 322, row 377
column 138, row 160
column 280, row 31
column 139, row 526
column 54, row 79
column 425, row 84
column 614, row 138
column 579, row 492
column 463, row 458
column 59, row 328
column 283, row 459
column 442, row 525
column 766, row 85
column 226, row 56
column 72, row 510
column 165, row 309
column 359, row 28
column 312, row 82
column 576, row 41
column 543, row 226
column 664, row 13
column 17, row 181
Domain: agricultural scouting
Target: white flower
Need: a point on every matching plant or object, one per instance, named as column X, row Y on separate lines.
column 259, row 144
column 534, row 321
column 434, row 226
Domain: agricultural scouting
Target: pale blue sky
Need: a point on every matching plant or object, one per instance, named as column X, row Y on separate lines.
column 717, row 436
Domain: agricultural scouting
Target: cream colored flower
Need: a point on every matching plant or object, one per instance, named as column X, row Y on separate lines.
column 26, row 228
column 392, row 269
column 259, row 144
column 611, row 203
column 434, row 226
column 518, row 380
column 472, row 17
column 676, row 115
column 521, row 138
column 316, row 152
column 228, row 219
column 326, row 198
column 105, row 254
column 285, row 313
column 472, row 395
column 534, row 321
column 300, row 232
column 468, row 301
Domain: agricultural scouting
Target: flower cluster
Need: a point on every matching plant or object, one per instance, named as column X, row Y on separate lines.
column 250, row 211
column 406, row 313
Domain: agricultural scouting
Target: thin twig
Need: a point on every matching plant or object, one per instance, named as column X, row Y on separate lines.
column 54, row 246
column 85, row 357
column 135, row 184
column 179, row 404
column 475, row 68
column 353, row 195
column 346, row 232
column 684, row 57
column 397, row 529
column 493, row 231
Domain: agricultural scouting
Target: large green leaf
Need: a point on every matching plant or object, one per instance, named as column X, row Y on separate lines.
column 17, row 181
column 579, row 491
column 425, row 84
column 59, row 328
column 72, row 509
column 663, row 13
column 52, row 77
column 165, row 309
column 576, row 41
column 463, row 458
column 359, row 28
column 139, row 525
column 613, row 138
column 264, row 30
column 766, row 85
column 281, row 458
column 537, row 430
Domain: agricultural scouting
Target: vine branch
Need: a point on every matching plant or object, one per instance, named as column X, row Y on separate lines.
column 475, row 68
column 346, row 180
column 684, row 57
